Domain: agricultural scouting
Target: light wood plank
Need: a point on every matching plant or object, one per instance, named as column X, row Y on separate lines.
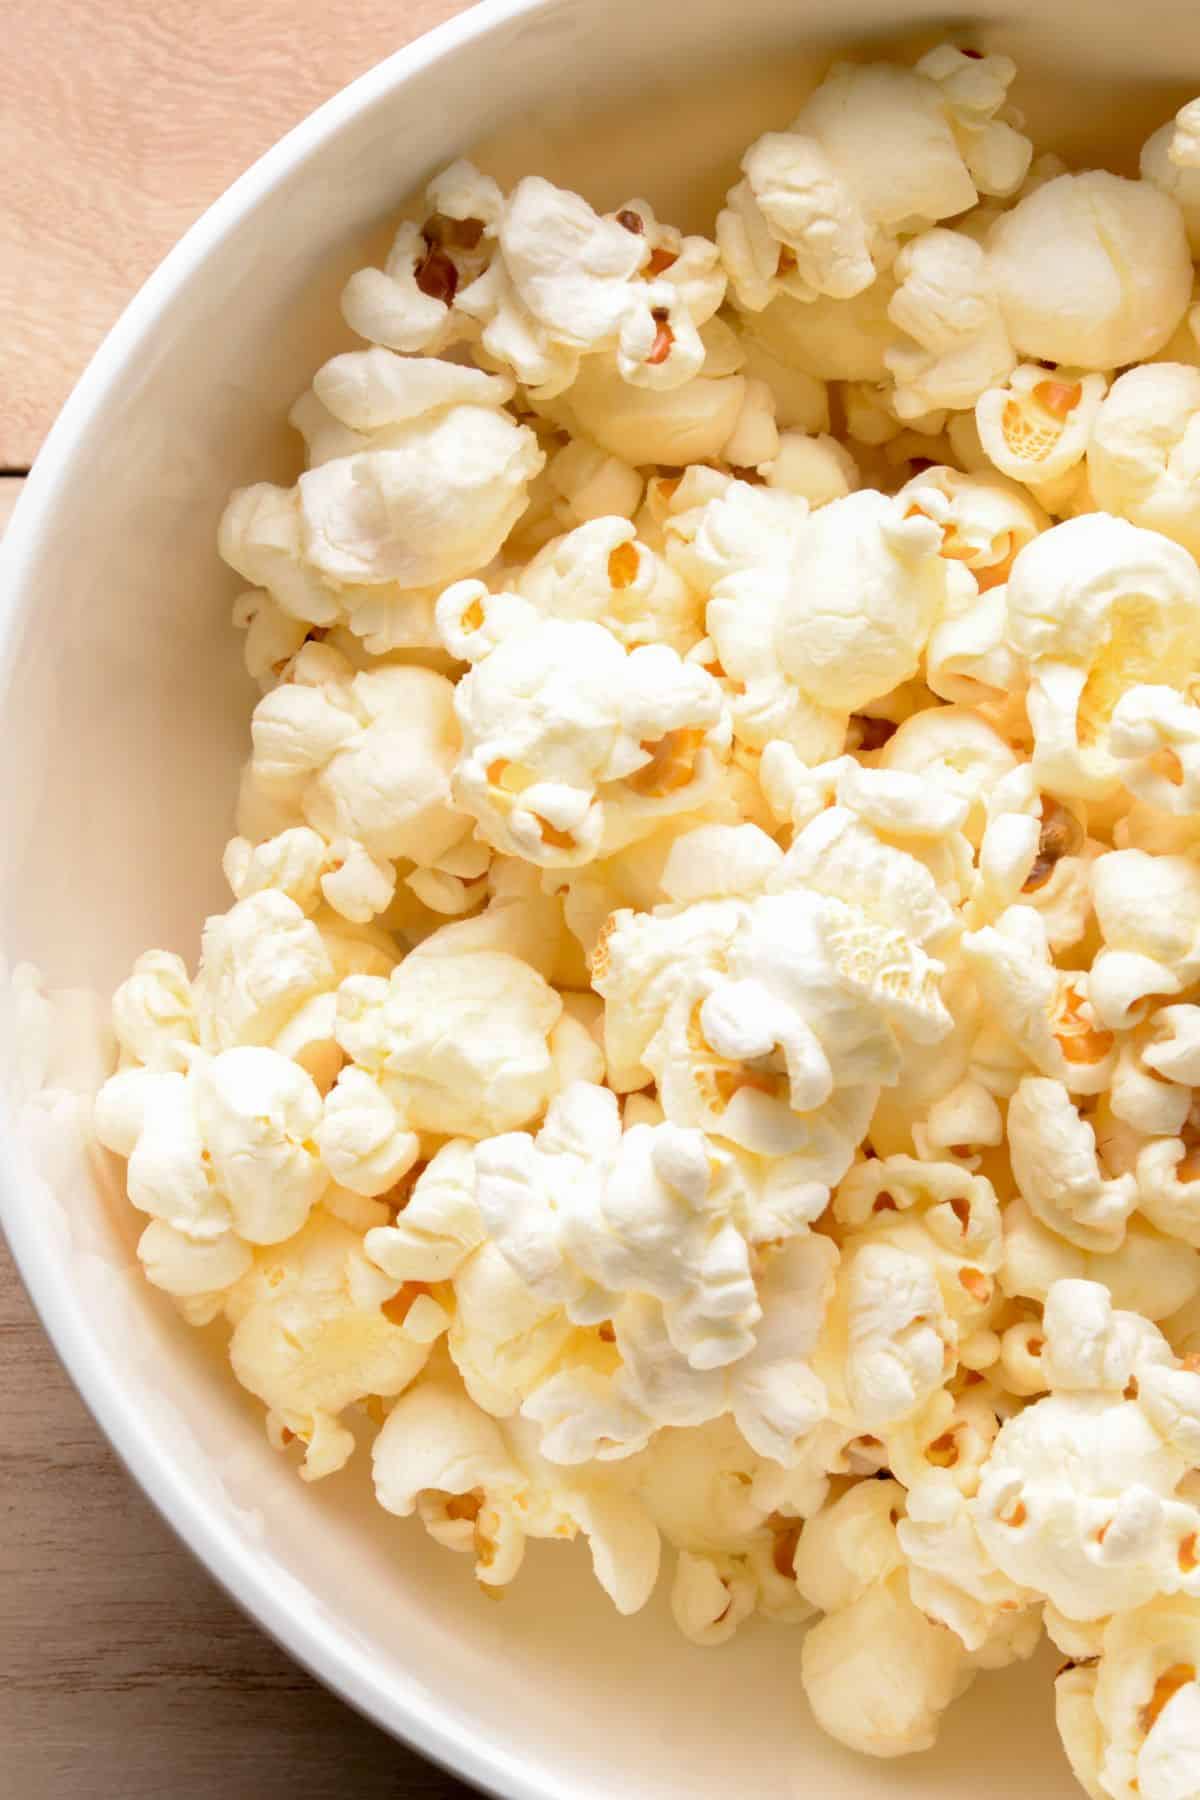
column 124, row 1671
column 119, row 123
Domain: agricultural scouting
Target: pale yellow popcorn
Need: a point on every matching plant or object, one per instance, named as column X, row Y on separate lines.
column 154, row 1012
column 1097, row 606
column 843, row 625
column 954, row 345
column 438, row 480
column 259, row 964
column 1054, row 1160
column 572, row 745
column 1035, row 1015
column 272, row 636
column 1091, row 270
column 816, row 468
column 602, row 573
column 316, row 1329
column 1143, row 457
column 1170, row 160
column 830, row 340
column 1035, row 427
column 364, row 757
column 460, row 1045
column 1081, row 1498
column 985, row 520
column 873, row 152
column 1130, row 1722
column 1149, row 1273
column 480, row 1487
column 877, row 1673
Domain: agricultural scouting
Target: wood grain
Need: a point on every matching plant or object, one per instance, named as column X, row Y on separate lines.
column 125, row 1673
column 119, row 123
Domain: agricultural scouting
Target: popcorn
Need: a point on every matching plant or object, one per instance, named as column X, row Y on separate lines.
column 1091, row 271
column 829, row 340
column 571, row 744
column 224, row 1147
column 1145, row 911
column 365, row 758
column 1155, row 737
column 815, row 468
column 360, row 1137
column 316, row 1330
column 1097, row 606
column 945, row 305
column 686, row 424
column 1169, row 160
column 1130, row 1722
column 439, row 1224
column 1144, row 451
column 408, row 305
column 1057, row 1169
column 1036, row 426
column 842, row 626
column 877, row 1673
column 590, row 1409
column 1168, row 1184
column 459, row 1045
column 951, row 1578
column 1035, row 1015
column 1078, row 1497
column 602, row 574
column 480, row 1487
column 984, row 520
column 871, row 153
column 921, row 1245
column 1149, row 1273
column 703, row 1050
column 772, row 1021
column 154, row 1012
column 272, row 636
column 437, row 484
column 587, row 1215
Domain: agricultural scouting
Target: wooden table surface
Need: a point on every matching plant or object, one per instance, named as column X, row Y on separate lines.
column 125, row 1674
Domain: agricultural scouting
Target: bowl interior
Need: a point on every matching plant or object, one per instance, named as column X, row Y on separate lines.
column 124, row 713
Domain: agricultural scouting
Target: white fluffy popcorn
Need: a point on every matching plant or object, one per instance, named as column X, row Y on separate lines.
column 1091, row 270
column 588, row 1215
column 1078, row 1499
column 438, row 479
column 1130, row 1721
column 601, row 573
column 811, row 641
column 480, row 1487
column 954, row 345
column 873, row 152
column 460, row 1045
column 571, row 744
column 1097, row 606
column 365, row 757
column 877, row 1673
column 703, row 1052
column 1143, row 455
column 317, row 1329
column 1170, row 160
column 1036, row 426
column 224, row 1147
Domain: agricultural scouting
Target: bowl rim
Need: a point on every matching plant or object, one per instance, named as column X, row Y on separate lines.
column 411, row 1712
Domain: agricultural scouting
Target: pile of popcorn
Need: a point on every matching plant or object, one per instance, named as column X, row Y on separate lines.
column 703, row 1052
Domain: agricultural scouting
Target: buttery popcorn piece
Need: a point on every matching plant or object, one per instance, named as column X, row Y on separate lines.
column 1091, row 271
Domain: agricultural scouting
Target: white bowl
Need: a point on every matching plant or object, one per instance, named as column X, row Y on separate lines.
column 124, row 713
